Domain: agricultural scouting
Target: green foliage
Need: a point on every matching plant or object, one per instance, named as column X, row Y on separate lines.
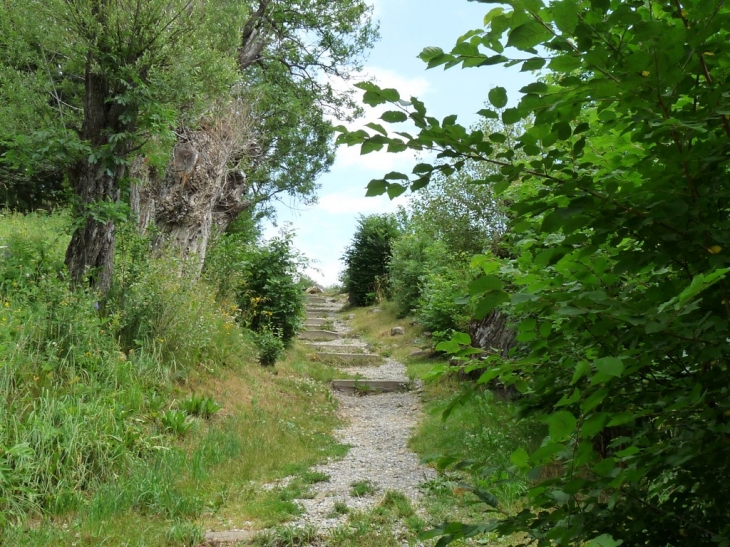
column 409, row 263
column 176, row 421
column 440, row 304
column 270, row 346
column 176, row 315
column 269, row 296
column 617, row 265
column 204, row 407
column 78, row 407
column 366, row 259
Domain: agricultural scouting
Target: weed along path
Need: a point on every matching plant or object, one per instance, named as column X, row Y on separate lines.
column 379, row 408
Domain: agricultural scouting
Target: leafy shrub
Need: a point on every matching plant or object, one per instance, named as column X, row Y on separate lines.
column 263, row 280
column 438, row 308
column 179, row 316
column 366, row 259
column 415, row 257
column 618, row 265
column 270, row 347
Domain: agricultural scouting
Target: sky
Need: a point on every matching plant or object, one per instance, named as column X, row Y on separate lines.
column 324, row 230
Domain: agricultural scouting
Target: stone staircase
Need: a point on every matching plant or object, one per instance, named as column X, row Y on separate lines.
column 328, row 336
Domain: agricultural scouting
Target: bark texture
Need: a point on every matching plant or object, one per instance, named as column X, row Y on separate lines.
column 91, row 251
column 195, row 199
column 492, row 333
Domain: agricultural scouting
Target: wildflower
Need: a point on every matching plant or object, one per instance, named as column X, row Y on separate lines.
column 7, row 304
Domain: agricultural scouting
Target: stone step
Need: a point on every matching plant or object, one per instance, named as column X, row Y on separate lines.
column 317, row 322
column 320, row 314
column 370, row 387
column 316, row 299
column 319, row 335
column 337, row 348
column 322, row 309
column 350, row 358
column 230, row 536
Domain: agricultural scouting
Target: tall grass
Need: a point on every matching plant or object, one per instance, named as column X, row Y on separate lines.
column 85, row 382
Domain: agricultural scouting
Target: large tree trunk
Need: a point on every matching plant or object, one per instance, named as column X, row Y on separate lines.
column 199, row 194
column 96, row 185
column 492, row 333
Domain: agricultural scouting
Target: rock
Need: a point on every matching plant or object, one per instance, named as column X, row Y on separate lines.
column 314, row 289
column 397, row 331
column 374, row 310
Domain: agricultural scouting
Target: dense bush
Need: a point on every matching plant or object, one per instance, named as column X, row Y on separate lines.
column 367, row 257
column 440, row 305
column 406, row 269
column 263, row 279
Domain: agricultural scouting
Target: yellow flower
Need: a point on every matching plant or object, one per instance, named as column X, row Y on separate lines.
column 7, row 304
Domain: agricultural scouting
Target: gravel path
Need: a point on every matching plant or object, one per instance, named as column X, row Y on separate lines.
column 377, row 429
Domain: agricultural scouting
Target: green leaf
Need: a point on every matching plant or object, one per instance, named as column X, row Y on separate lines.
column 485, row 283
column 394, row 116
column 377, row 127
column 370, row 145
column 565, row 15
column 490, row 301
column 560, row 425
column 511, row 116
column 611, row 366
column 604, row 540
column 565, row 63
column 395, row 190
column 498, row 97
column 581, row 369
column 535, row 63
column 528, row 35
column 520, row 458
column 487, row 113
column 429, row 53
column 395, row 175
column 376, row 187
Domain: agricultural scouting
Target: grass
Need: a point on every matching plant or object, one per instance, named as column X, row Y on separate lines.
column 359, row 489
column 143, row 419
column 392, row 522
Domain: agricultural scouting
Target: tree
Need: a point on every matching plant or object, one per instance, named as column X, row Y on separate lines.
column 289, row 60
column 128, row 69
column 123, row 86
column 619, row 225
column 366, row 259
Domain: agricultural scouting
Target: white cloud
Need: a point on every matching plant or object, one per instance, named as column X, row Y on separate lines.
column 341, row 203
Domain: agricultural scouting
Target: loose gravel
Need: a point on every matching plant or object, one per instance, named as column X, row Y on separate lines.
column 377, row 430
